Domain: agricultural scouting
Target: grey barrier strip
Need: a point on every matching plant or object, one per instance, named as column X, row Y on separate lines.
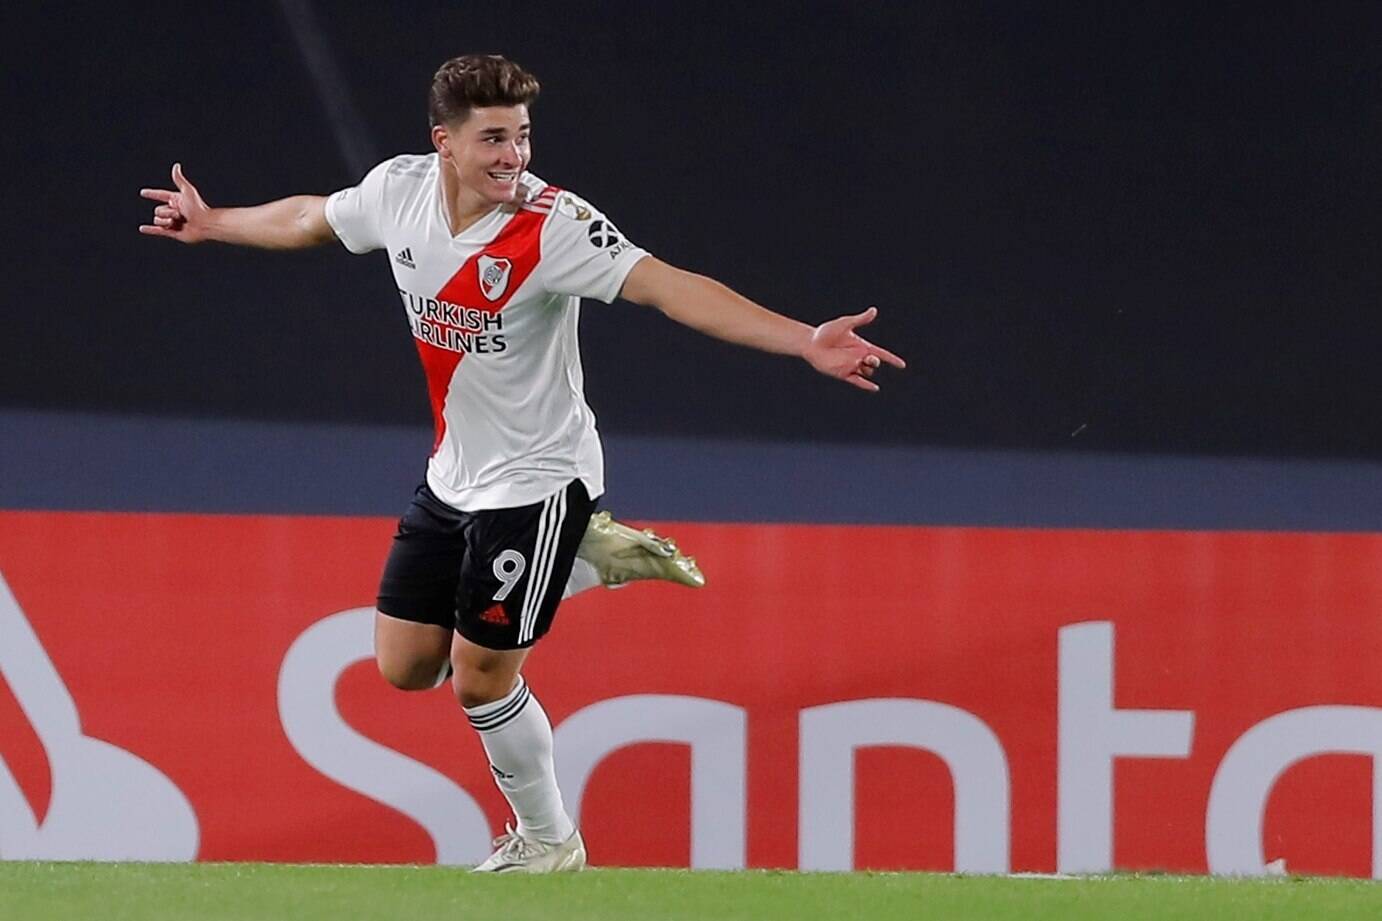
column 62, row 461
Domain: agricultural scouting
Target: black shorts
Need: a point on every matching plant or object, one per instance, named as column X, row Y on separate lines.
column 494, row 576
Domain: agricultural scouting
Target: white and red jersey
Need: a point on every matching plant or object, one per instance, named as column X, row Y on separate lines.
column 494, row 312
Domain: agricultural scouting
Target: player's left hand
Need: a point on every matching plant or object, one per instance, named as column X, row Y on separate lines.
column 837, row 350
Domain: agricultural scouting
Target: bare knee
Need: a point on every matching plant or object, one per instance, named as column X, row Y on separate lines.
column 483, row 675
column 411, row 656
column 415, row 675
column 475, row 688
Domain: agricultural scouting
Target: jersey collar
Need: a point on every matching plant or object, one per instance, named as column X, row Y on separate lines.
column 486, row 228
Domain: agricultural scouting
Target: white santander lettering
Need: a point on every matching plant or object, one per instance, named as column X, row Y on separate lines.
column 1091, row 733
column 978, row 766
column 307, row 709
column 1254, row 763
column 716, row 733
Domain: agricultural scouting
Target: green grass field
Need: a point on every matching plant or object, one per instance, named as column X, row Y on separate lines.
column 41, row 891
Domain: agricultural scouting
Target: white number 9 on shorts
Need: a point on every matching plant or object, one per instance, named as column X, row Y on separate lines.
column 509, row 567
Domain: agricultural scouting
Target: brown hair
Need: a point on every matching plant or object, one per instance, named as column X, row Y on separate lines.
column 474, row 81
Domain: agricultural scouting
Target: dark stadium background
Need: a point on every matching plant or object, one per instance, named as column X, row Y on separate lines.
column 1092, row 229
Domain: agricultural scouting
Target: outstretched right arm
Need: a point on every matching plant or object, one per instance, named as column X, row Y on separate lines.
column 289, row 223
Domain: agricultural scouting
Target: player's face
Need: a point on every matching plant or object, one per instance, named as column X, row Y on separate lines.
column 488, row 150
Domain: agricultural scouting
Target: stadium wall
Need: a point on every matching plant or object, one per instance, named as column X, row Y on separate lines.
column 1087, row 227
column 905, row 658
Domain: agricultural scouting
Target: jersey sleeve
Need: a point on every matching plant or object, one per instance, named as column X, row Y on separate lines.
column 355, row 213
column 583, row 253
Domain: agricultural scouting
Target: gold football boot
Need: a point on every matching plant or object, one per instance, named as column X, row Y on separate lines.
column 516, row 854
column 621, row 554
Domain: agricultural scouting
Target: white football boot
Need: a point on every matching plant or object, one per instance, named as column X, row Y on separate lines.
column 515, row 854
column 621, row 554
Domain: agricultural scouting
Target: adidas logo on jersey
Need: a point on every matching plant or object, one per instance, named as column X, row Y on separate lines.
column 405, row 258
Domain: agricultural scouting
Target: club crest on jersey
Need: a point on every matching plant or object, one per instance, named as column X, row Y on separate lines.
column 494, row 276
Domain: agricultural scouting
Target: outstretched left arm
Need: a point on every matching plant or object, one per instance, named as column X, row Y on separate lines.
column 706, row 305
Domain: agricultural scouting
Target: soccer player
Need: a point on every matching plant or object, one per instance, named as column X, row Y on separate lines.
column 490, row 264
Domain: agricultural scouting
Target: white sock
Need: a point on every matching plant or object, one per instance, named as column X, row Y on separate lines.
column 584, row 575
column 518, row 740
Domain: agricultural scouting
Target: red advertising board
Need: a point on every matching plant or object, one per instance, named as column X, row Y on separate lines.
column 182, row 686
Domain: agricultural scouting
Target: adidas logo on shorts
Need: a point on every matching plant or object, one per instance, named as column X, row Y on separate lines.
column 494, row 614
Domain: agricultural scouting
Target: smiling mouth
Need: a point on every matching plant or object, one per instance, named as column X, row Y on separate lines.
column 504, row 177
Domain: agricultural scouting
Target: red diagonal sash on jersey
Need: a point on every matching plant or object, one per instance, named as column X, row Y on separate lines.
column 519, row 243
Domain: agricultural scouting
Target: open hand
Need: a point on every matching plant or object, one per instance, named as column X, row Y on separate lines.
column 838, row 351
column 181, row 215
